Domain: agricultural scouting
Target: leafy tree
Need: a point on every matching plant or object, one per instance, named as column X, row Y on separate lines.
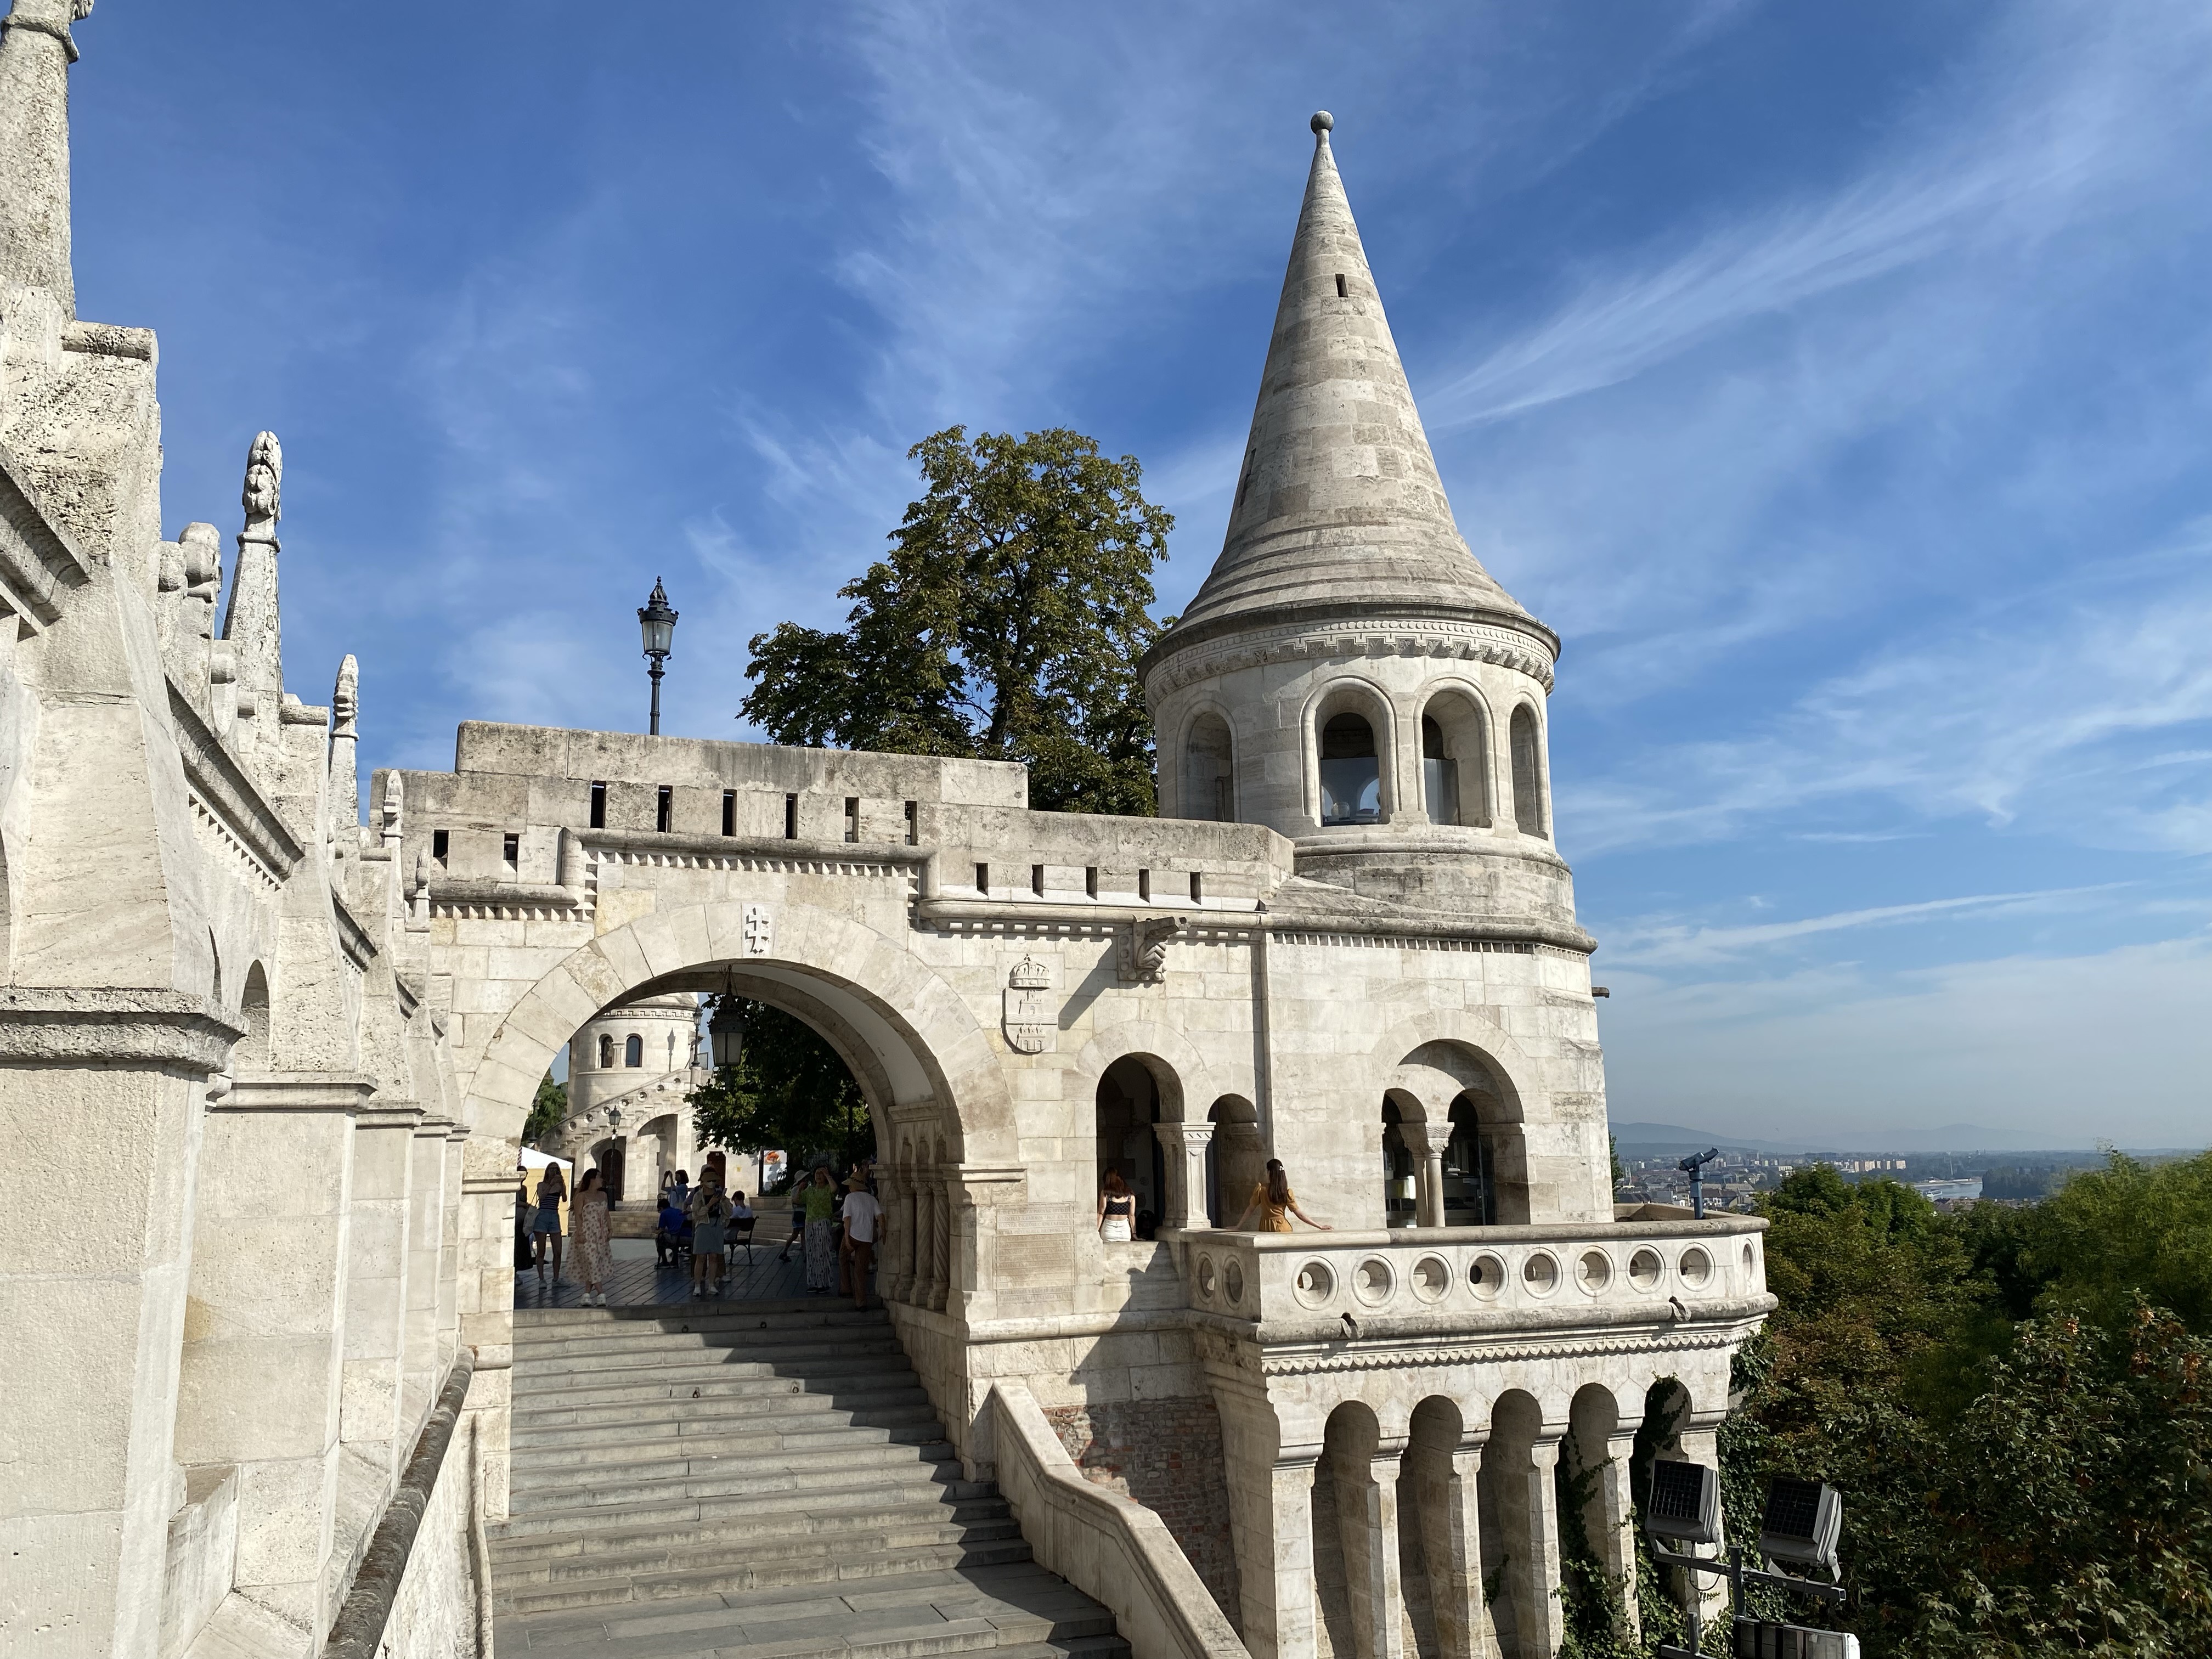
column 1004, row 625
column 2129, row 1231
column 788, row 1090
column 547, row 1111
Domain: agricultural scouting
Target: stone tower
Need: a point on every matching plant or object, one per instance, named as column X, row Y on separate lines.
column 1349, row 675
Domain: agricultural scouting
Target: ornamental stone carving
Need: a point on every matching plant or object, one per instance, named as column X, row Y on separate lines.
column 1031, row 1023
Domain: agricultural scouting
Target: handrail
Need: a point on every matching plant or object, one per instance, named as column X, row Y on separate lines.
column 1112, row 1548
column 358, row 1631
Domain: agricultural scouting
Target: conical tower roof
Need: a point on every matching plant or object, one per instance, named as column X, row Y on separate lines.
column 1339, row 513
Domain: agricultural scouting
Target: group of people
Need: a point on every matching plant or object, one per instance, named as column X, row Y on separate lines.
column 837, row 1231
column 538, row 1230
column 705, row 1220
column 1272, row 1200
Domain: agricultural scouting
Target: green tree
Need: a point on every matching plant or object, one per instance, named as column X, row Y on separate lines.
column 789, row 1091
column 1004, row 625
column 546, row 1111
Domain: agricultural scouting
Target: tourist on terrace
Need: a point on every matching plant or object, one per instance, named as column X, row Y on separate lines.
column 820, row 1199
column 546, row 1225
column 669, row 1230
column 524, row 1211
column 798, row 1219
column 588, row 1220
column 863, row 1219
column 679, row 1189
column 710, row 1220
column 1277, row 1202
column 1117, row 1209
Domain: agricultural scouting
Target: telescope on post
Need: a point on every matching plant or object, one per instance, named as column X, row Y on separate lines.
column 1695, row 1166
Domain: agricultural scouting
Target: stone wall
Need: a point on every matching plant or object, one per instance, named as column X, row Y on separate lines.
column 434, row 1614
column 1166, row 1453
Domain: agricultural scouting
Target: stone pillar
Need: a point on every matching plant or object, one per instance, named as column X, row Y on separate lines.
column 449, row 1240
column 484, row 1278
column 1184, row 1146
column 110, row 1087
column 1367, row 1521
column 1426, row 1142
column 263, row 1368
column 894, row 1243
column 36, row 49
column 1533, row 1545
column 375, row 1321
column 1702, row 1445
column 426, row 1229
column 1446, row 1483
column 1284, row 1572
column 939, row 1240
column 1609, row 1522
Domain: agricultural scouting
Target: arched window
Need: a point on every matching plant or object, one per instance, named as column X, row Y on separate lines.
column 1128, row 1104
column 1401, row 1176
column 1455, row 760
column 606, row 1052
column 632, row 1049
column 252, row 1054
column 1470, row 1193
column 1350, row 775
column 1209, row 789
column 1528, row 774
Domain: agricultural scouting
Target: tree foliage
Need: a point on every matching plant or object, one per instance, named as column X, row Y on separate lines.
column 547, row 1111
column 788, row 1091
column 1004, row 625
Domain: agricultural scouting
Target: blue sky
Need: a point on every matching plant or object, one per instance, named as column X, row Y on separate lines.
column 1834, row 378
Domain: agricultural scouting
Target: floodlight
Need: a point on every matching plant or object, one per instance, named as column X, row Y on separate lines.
column 1802, row 1520
column 1686, row 1503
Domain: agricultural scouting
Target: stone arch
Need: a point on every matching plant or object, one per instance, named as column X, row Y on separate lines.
column 1206, row 780
column 1532, row 813
column 1350, row 693
column 1505, row 1061
column 1453, row 1121
column 1510, row 1502
column 254, row 1011
column 1436, row 1503
column 928, row 1044
column 1236, row 1156
column 1350, row 1575
column 1173, row 1058
column 1461, row 715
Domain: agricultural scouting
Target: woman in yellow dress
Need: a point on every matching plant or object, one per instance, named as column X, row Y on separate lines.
column 1277, row 1204
column 588, row 1220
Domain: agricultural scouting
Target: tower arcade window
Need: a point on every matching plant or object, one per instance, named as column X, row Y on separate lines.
column 599, row 804
column 1350, row 773
column 664, row 809
column 1528, row 774
column 606, row 1052
column 1341, row 293
column 632, row 1049
column 1455, row 760
column 1209, row 789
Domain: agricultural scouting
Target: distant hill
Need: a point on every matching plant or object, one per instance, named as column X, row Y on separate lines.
column 1651, row 1140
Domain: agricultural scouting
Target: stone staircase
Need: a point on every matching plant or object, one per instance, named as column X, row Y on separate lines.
column 750, row 1480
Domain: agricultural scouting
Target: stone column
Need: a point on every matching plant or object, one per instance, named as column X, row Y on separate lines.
column 449, row 1240
column 426, row 1231
column 484, row 1278
column 1533, row 1549
column 938, row 1241
column 894, row 1243
column 263, row 1368
column 1449, row 1515
column 1367, row 1521
column 1609, row 1520
column 1702, row 1445
column 110, row 1087
column 376, row 1318
column 1283, row 1629
column 1426, row 1142
column 1185, row 1145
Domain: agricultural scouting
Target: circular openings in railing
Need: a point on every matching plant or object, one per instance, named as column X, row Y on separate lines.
column 1372, row 1281
column 1232, row 1280
column 1540, row 1272
column 1205, row 1277
column 1593, row 1271
column 1644, row 1268
column 1315, row 1284
column 1431, row 1278
column 1696, row 1268
column 1750, row 1261
column 1486, row 1277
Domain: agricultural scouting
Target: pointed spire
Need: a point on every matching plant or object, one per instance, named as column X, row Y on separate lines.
column 1339, row 511
column 251, row 625
column 36, row 50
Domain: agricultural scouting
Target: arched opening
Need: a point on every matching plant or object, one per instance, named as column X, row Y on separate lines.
column 1597, row 1519
column 1471, row 1166
column 252, row 1054
column 1236, row 1159
column 1128, row 1104
column 1209, row 778
column 1401, row 1169
column 606, row 1052
column 1471, row 1132
column 634, row 1050
column 1444, row 1612
column 607, row 1155
column 1350, row 1576
column 1528, row 814
column 1350, row 771
column 1455, row 760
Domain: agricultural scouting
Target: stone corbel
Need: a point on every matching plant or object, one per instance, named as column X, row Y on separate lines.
column 1143, row 955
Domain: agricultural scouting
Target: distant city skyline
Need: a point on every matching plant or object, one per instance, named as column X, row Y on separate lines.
column 1832, row 381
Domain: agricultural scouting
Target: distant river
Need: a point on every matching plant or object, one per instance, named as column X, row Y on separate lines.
column 1933, row 1189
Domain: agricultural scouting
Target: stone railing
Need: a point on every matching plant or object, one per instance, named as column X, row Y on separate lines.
column 1110, row 1546
column 1329, row 1286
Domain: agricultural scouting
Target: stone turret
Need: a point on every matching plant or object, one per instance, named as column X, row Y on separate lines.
column 36, row 50
column 1349, row 674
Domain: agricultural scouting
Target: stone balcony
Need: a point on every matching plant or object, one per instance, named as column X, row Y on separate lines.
column 1413, row 1282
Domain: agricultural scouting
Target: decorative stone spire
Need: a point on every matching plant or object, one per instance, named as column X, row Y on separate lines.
column 345, row 779
column 251, row 623
column 1339, row 513
column 36, row 50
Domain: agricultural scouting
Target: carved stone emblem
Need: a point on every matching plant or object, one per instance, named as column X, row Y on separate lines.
column 1144, row 954
column 1032, row 1023
column 760, row 930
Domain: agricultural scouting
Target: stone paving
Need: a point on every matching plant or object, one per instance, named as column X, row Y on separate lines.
column 637, row 1282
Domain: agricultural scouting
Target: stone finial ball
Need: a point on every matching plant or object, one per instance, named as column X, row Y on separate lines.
column 1322, row 121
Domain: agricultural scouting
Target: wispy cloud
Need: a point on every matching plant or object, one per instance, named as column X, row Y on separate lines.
column 1680, row 944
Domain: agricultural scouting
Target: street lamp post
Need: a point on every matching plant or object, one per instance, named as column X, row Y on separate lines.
column 658, row 622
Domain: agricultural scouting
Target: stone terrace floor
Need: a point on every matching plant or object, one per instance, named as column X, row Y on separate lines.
column 637, row 1282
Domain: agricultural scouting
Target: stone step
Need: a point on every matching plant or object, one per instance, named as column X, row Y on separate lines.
column 813, row 1567
column 618, row 1425
column 555, row 1388
column 711, row 1481
column 607, row 1340
column 627, row 1402
column 780, row 1509
column 787, row 1310
column 647, row 1557
column 646, row 1527
column 795, row 1358
column 717, row 1440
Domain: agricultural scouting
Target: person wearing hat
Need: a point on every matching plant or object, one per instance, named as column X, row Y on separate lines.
column 863, row 1228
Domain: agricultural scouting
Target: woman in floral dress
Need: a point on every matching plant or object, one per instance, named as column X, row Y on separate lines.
column 587, row 1224
column 821, row 1201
